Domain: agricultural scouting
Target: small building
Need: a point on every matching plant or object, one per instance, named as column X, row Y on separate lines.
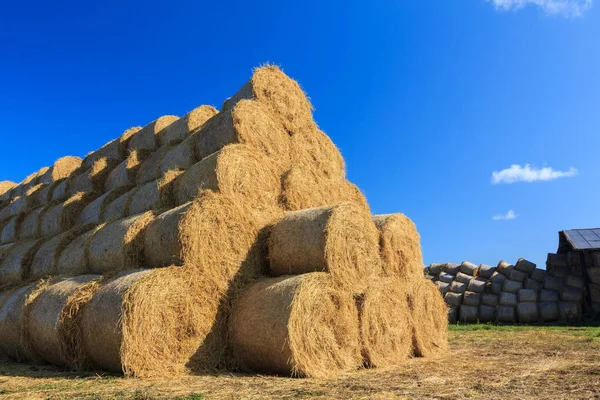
column 577, row 261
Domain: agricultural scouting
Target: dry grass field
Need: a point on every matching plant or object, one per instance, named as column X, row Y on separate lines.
column 484, row 362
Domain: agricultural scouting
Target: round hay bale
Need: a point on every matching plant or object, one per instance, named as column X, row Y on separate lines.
column 125, row 138
column 14, row 340
column 468, row 314
column 446, row 277
column 5, row 213
column 60, row 190
column 315, row 150
column 93, row 179
column 5, row 189
column 443, row 287
column 594, row 275
column 506, row 314
column 525, row 266
column 452, row 268
column 497, row 277
column 146, row 138
column 527, row 295
column 74, row 259
column 119, row 208
column 10, row 230
column 119, row 245
column 340, row 239
column 517, row 276
column 571, row 294
column 458, row 287
column 46, row 314
column 4, row 249
column 508, row 299
column 18, row 206
column 45, row 261
column 549, row 295
column 553, row 283
column 575, row 282
column 548, row 311
column 527, row 313
column 493, row 288
column 435, row 269
column 81, row 183
column 534, row 285
column 62, row 217
column 487, row 314
column 281, row 95
column 476, row 286
column 385, row 324
column 62, row 168
column 399, row 245
column 504, row 268
column 486, row 271
column 123, row 175
column 303, row 188
column 430, row 319
column 180, row 129
column 150, row 169
column 463, row 278
column 155, row 196
column 142, row 323
column 471, row 299
column 268, row 328
column 452, row 315
column 569, row 312
column 512, row 286
column 469, row 268
column 15, row 266
column 94, row 211
column 235, row 170
column 111, row 151
column 489, row 299
column 249, row 123
column 179, row 157
column 29, row 228
column 453, row 299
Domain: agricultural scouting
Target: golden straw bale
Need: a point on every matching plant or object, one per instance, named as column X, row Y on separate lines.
column 15, row 265
column 124, row 174
column 300, row 326
column 430, row 318
column 119, row 208
column 10, row 229
column 235, row 170
column 62, row 217
column 400, row 246
column 314, row 150
column 74, row 258
column 150, row 169
column 4, row 249
column 119, row 245
column 126, row 137
column 110, row 151
column 62, row 168
column 181, row 128
column 93, row 212
column 154, row 196
column 5, row 189
column 340, row 239
column 146, row 138
column 30, row 226
column 60, row 191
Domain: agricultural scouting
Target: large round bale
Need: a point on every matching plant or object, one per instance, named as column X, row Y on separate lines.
column 443, row 287
column 74, row 259
column 235, row 170
column 123, row 175
column 486, row 271
column 46, row 317
column 180, row 129
column 525, row 266
column 452, row 315
column 4, row 249
column 569, row 312
column 527, row 312
column 446, row 277
column 458, row 287
column 548, row 311
column 493, row 288
column 62, row 217
column 15, row 266
column 45, row 261
column 453, row 299
column 549, row 295
column 62, row 168
column 111, row 150
column 512, row 286
column 571, row 294
column 468, row 314
column 508, row 299
column 119, row 208
column 268, row 327
column 574, row 281
column 93, row 179
column 506, row 314
column 29, row 228
column 497, row 277
column 180, row 156
column 150, row 169
column 517, row 276
column 119, row 245
column 315, row 150
column 399, row 245
column 125, row 138
column 471, row 299
column 249, row 123
column 554, row 283
column 487, row 313
column 463, row 278
column 146, row 138
column 155, row 196
column 385, row 324
column 5, row 189
column 504, row 268
column 430, row 319
column 476, row 286
column 340, row 239
column 10, row 229
column 436, row 269
column 527, row 295
column 14, row 340
column 469, row 268
column 18, row 206
column 143, row 323
column 452, row 268
column 490, row 300
column 94, row 211
column 302, row 188
column 60, row 190
column 534, row 285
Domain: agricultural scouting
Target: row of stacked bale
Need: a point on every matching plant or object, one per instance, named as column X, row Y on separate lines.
column 222, row 239
column 506, row 293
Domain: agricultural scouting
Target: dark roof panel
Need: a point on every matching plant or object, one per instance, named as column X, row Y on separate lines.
column 583, row 239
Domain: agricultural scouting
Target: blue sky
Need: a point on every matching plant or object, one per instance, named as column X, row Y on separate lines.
column 425, row 99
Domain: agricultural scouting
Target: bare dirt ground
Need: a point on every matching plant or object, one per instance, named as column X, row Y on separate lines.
column 484, row 362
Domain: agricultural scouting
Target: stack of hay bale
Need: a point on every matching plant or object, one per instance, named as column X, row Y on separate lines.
column 507, row 293
column 216, row 240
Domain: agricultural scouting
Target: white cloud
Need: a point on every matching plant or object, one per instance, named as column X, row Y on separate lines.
column 516, row 173
column 568, row 8
column 503, row 217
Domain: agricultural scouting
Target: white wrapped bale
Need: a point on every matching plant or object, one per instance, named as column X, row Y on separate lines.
column 471, row 299
column 464, row 278
column 527, row 313
column 533, row 285
column 486, row 271
column 517, row 276
column 554, row 283
column 497, row 277
column 512, row 286
column 527, row 296
column 443, row 287
column 446, row 277
column 504, row 268
column 506, row 314
column 571, row 294
column 469, row 268
column 436, row 269
column 476, row 286
column 452, row 268
column 538, row 275
column 576, row 282
column 525, row 266
column 452, row 315
column 490, row 300
column 453, row 299
column 548, row 311
column 508, row 299
column 570, row 312
column 458, row 287
column 487, row 314
column 493, row 288
column 468, row 314
column 547, row 296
